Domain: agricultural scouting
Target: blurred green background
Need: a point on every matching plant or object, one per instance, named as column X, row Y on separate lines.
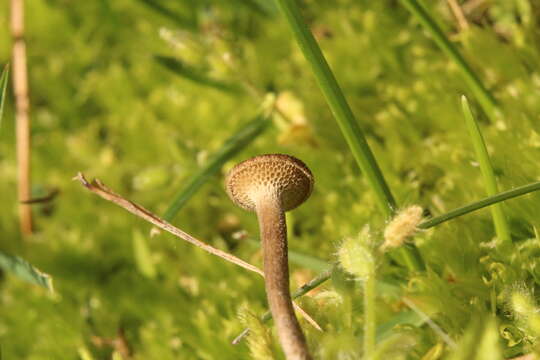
column 104, row 104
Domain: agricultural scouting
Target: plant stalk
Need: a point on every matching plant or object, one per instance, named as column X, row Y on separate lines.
column 370, row 325
column 490, row 200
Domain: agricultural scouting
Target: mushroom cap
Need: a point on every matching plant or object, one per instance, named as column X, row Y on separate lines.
column 283, row 175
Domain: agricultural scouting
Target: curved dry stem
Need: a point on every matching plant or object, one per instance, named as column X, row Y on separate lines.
column 276, row 269
column 100, row 189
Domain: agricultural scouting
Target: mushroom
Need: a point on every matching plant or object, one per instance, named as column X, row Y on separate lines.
column 269, row 185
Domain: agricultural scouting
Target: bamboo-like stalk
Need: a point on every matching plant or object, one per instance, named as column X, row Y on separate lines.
column 458, row 14
column 22, row 108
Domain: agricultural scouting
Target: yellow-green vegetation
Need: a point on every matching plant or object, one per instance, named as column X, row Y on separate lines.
column 159, row 99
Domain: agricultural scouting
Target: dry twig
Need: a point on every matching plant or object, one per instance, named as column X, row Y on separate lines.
column 100, row 189
column 458, row 13
column 475, row 5
column 118, row 343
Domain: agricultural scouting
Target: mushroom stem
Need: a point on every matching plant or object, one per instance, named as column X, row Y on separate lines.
column 273, row 232
column 270, row 185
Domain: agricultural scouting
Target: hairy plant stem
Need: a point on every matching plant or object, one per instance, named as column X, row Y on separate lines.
column 370, row 324
column 490, row 200
column 273, row 232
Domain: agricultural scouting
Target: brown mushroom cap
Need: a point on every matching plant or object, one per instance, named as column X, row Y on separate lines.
column 278, row 174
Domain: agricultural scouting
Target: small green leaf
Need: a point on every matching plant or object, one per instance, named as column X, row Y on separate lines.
column 195, row 75
column 143, row 256
column 182, row 21
column 406, row 317
column 480, row 342
column 25, row 271
column 260, row 7
column 84, row 354
column 489, row 348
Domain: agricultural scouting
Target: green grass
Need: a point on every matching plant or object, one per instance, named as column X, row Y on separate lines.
column 339, row 106
column 501, row 225
column 240, row 139
column 3, row 86
column 345, row 118
column 195, row 75
column 484, row 97
column 103, row 105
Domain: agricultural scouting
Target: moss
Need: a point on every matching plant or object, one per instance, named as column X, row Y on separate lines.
column 103, row 105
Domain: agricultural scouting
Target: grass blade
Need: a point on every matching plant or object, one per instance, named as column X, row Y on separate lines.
column 490, row 200
column 25, row 271
column 180, row 20
column 484, row 97
column 490, row 183
column 3, row 86
column 253, row 5
column 190, row 73
column 346, row 120
column 405, row 317
column 230, row 147
column 338, row 105
column 143, row 256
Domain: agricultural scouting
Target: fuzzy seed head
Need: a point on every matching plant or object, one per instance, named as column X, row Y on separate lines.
column 402, row 227
column 526, row 312
column 521, row 304
column 356, row 257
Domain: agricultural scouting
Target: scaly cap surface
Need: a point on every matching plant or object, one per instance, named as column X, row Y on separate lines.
column 271, row 174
